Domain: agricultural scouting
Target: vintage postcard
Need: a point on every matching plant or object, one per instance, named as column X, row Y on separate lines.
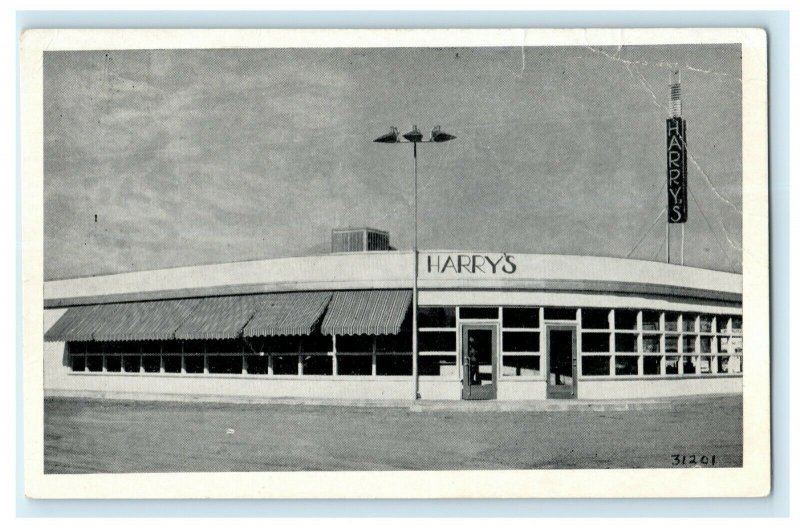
column 395, row 263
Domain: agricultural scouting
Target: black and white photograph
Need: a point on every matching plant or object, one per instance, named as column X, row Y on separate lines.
column 436, row 256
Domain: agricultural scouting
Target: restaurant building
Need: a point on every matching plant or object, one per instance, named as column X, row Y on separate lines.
column 491, row 326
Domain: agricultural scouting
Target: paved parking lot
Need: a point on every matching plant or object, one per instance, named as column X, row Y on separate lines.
column 96, row 436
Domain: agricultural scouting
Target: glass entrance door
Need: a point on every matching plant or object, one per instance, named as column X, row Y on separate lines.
column 562, row 363
column 478, row 351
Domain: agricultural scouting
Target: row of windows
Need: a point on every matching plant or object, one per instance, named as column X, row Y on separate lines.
column 594, row 318
column 633, row 365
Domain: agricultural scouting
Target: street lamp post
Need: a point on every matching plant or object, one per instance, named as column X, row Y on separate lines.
column 414, row 137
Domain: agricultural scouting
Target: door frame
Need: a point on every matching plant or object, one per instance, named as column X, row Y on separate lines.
column 466, row 389
column 573, row 328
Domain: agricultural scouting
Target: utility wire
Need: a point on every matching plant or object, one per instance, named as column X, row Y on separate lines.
column 713, row 232
column 647, row 232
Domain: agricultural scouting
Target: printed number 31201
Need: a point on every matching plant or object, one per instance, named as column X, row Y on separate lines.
column 694, row 460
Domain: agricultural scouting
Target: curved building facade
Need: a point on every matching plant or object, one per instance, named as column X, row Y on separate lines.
column 490, row 326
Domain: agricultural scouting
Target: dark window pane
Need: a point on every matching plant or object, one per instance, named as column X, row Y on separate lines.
column 560, row 314
column 722, row 323
column 151, row 347
column 671, row 322
column 194, row 364
column 705, row 364
column 170, row 348
column 594, row 318
column 626, row 365
column 172, row 363
column 94, row 363
column 131, row 363
column 625, row 342
column 282, row 344
column 521, row 341
column 317, row 365
column 437, row 366
column 705, row 345
column 671, row 344
column 595, row 342
column 225, row 364
column 224, row 346
column 393, row 365
column 652, row 365
column 317, row 343
column 437, row 341
column 151, row 363
column 477, row 312
column 595, row 365
column 194, row 347
column 393, row 343
column 94, row 347
column 625, row 319
column 689, row 322
column 651, row 320
column 354, row 365
column 113, row 363
column 689, row 344
column 284, row 364
column 258, row 364
column 689, row 364
column 356, row 343
column 722, row 365
column 436, row 316
column 520, row 317
column 521, row 366
column 706, row 322
column 78, row 362
column 736, row 323
column 671, row 364
column 651, row 344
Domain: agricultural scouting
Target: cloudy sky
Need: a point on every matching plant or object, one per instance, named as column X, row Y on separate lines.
column 165, row 158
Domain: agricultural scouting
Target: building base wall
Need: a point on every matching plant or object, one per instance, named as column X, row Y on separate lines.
column 657, row 388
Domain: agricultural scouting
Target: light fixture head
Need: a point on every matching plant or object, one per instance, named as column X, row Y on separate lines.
column 391, row 137
column 437, row 136
column 415, row 136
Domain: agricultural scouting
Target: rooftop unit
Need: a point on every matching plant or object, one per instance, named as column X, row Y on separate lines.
column 355, row 239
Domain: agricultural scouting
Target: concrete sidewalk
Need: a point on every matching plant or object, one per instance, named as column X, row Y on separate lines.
column 419, row 406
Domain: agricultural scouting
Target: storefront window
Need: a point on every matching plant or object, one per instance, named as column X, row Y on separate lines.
column 671, row 322
column 595, row 342
column 354, row 365
column 595, row 365
column 317, row 365
column 194, row 364
column 521, row 366
column 625, row 319
column 224, row 364
column 514, row 317
column 436, row 316
column 437, row 365
column 284, row 364
column 393, row 365
column 626, row 365
column 651, row 320
column 651, row 365
column 594, row 318
column 478, row 312
column 94, row 363
column 520, row 341
column 258, row 365
column 437, row 341
column 560, row 314
column 114, row 363
column 625, row 342
column 151, row 363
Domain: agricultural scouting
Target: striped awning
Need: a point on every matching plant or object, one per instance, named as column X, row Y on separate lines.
column 77, row 324
column 141, row 321
column 372, row 312
column 219, row 317
column 287, row 314
column 138, row 321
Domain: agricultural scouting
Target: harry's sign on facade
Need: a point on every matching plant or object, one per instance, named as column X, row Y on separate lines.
column 470, row 264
